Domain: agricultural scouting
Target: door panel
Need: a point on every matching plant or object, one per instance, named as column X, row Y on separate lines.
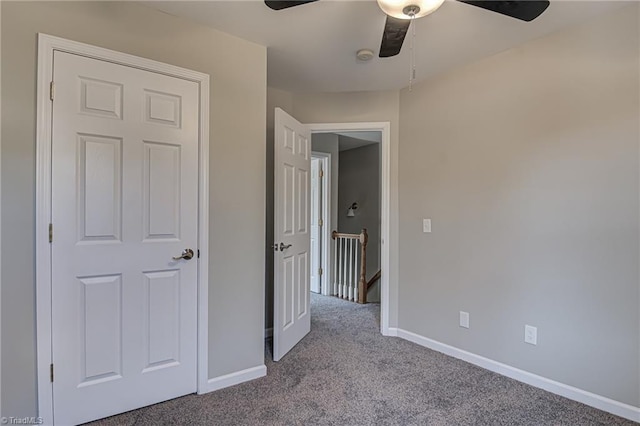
column 100, row 188
column 292, row 319
column 303, row 201
column 162, row 184
column 161, row 319
column 124, row 202
column 303, row 278
column 101, row 337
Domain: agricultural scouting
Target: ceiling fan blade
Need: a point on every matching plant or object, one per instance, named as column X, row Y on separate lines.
column 525, row 10
column 394, row 32
column 279, row 5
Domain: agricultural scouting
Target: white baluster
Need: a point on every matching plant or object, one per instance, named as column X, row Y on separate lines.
column 335, row 269
column 352, row 270
column 341, row 291
column 340, row 266
column 345, row 267
column 345, row 258
column 355, row 271
column 337, row 290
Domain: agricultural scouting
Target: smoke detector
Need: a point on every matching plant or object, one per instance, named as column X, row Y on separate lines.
column 364, row 55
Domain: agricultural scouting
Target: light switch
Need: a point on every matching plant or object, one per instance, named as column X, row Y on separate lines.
column 426, row 225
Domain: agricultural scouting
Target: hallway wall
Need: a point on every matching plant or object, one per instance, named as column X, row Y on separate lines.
column 360, row 182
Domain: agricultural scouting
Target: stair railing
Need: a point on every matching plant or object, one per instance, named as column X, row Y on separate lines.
column 349, row 273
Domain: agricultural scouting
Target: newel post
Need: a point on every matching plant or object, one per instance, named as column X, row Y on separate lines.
column 362, row 283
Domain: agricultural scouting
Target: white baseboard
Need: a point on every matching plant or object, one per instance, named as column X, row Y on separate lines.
column 391, row 332
column 597, row 401
column 234, row 378
column 268, row 333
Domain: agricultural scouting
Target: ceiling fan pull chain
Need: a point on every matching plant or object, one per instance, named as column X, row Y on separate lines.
column 412, row 65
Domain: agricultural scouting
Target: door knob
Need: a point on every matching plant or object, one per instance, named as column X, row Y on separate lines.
column 283, row 247
column 186, row 255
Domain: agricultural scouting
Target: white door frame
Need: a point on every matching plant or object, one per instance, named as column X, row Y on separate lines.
column 46, row 46
column 385, row 202
column 325, row 247
column 0, row 232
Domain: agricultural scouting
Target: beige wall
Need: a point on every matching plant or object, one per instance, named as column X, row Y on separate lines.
column 527, row 164
column 237, row 169
column 363, row 107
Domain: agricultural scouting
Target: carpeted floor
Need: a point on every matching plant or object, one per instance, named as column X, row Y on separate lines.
column 341, row 375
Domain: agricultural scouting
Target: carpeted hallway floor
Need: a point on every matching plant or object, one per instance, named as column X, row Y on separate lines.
column 341, row 375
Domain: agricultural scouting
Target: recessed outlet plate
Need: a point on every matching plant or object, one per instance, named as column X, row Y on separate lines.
column 464, row 319
column 530, row 334
column 426, row 225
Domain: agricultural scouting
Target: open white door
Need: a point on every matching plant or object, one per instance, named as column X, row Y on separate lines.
column 292, row 232
column 316, row 201
column 124, row 211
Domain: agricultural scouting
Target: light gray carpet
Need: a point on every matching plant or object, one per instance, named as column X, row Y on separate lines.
column 341, row 375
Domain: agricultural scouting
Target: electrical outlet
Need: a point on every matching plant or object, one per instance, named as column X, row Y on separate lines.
column 531, row 335
column 464, row 319
column 426, row 225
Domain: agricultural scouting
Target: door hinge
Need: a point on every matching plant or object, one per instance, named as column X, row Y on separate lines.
column 51, row 372
column 52, row 90
column 51, row 232
column 321, row 173
column 320, row 222
column 320, row 271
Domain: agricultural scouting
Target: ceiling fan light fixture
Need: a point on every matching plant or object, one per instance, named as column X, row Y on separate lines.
column 408, row 9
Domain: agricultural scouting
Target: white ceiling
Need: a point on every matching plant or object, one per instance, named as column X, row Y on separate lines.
column 312, row 47
column 353, row 140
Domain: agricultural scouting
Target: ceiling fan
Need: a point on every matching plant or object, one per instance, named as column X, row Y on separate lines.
column 400, row 13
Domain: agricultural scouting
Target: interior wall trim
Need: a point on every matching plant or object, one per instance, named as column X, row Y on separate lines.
column 588, row 398
column 235, row 378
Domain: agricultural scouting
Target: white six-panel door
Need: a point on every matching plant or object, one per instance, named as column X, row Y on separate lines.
column 124, row 203
column 292, row 184
column 316, row 201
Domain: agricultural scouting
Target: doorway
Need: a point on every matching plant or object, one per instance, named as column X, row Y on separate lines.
column 320, row 221
column 353, row 201
column 385, row 201
column 291, row 286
